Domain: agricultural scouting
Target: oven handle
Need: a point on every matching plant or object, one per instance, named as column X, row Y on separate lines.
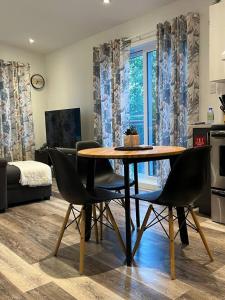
column 218, row 135
column 218, row 192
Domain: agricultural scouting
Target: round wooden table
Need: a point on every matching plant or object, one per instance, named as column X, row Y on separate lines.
column 131, row 157
column 159, row 152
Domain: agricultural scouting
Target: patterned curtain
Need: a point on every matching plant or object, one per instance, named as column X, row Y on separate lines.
column 177, row 82
column 16, row 120
column 111, row 92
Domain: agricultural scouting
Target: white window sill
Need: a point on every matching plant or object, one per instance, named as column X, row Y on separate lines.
column 148, row 182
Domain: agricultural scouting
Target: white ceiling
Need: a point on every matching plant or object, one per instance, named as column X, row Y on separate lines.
column 54, row 24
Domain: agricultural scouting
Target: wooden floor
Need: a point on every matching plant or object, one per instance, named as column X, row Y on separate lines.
column 29, row 271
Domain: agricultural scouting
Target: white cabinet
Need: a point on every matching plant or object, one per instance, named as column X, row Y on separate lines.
column 217, row 42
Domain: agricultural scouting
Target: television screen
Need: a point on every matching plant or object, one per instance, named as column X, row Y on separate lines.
column 63, row 128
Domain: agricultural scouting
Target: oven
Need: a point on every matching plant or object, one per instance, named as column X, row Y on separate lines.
column 217, row 141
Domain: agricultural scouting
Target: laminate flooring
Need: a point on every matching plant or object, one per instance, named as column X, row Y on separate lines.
column 28, row 270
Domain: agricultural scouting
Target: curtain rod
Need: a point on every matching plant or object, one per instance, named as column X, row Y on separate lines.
column 17, row 64
column 10, row 63
column 141, row 37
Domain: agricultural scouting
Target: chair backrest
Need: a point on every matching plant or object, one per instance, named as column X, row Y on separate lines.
column 188, row 177
column 67, row 178
column 102, row 166
column 71, row 154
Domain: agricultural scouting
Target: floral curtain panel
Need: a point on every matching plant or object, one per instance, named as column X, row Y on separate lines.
column 111, row 92
column 16, row 120
column 177, row 82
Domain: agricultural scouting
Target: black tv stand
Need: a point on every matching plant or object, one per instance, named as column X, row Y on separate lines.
column 42, row 156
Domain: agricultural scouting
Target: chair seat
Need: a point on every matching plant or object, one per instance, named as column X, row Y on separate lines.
column 101, row 195
column 152, row 197
column 111, row 181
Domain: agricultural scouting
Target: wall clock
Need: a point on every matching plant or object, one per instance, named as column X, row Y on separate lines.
column 37, row 81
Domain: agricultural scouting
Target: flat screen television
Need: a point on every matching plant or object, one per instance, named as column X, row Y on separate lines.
column 63, row 128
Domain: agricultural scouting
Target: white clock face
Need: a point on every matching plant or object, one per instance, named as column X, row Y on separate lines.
column 37, row 81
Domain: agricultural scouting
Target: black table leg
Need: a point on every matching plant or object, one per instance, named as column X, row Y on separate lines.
column 127, row 212
column 181, row 215
column 90, row 188
column 136, row 192
column 182, row 225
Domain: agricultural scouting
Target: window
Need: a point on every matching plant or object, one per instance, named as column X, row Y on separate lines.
column 137, row 96
column 143, row 98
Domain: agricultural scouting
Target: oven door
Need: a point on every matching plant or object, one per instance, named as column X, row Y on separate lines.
column 217, row 141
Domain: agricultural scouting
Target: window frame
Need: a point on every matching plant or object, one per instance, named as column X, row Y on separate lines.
column 145, row 46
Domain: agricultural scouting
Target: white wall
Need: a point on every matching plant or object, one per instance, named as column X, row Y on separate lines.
column 39, row 104
column 69, row 70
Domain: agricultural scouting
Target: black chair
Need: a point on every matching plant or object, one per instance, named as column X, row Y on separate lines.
column 185, row 184
column 105, row 177
column 73, row 191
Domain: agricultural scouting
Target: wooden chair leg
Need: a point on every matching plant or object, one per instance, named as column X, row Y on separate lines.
column 201, row 233
column 63, row 229
column 172, row 250
column 101, row 220
column 142, row 229
column 82, row 241
column 115, row 227
column 95, row 223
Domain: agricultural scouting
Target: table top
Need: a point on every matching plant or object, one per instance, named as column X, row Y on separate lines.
column 110, row 153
